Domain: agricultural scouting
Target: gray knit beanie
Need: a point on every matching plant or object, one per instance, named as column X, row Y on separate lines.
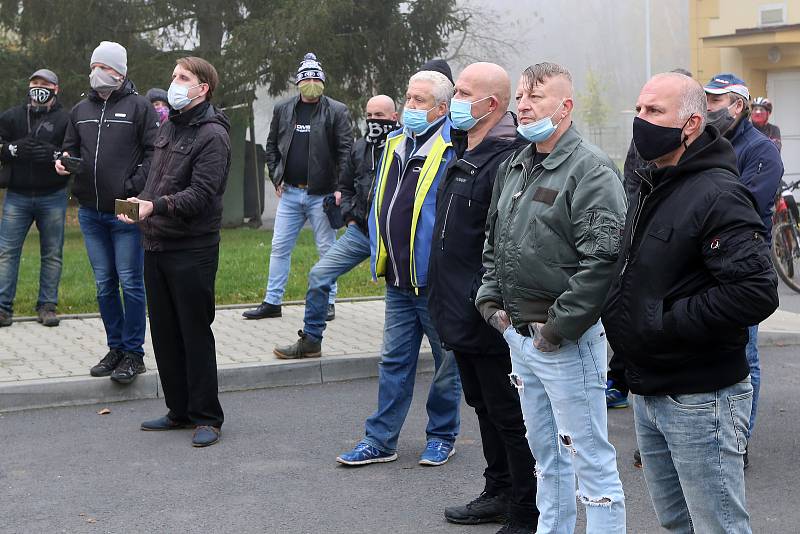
column 112, row 54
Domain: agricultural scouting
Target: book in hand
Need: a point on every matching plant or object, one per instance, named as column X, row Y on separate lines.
column 125, row 207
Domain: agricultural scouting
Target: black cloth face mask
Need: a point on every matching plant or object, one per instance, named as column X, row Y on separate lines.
column 721, row 119
column 379, row 129
column 40, row 95
column 653, row 141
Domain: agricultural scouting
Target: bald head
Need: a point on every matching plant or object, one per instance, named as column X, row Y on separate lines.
column 485, row 79
column 381, row 107
column 670, row 98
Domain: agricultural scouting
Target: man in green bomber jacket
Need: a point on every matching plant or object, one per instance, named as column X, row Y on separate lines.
column 553, row 236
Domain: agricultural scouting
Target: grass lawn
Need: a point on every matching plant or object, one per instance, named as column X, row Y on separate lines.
column 242, row 275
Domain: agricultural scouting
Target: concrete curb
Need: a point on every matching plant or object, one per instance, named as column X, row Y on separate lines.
column 76, row 391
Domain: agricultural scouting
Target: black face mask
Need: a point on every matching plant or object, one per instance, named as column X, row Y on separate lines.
column 721, row 120
column 40, row 95
column 653, row 141
column 378, row 129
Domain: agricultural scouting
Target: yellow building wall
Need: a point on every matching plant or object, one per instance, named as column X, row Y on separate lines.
column 709, row 18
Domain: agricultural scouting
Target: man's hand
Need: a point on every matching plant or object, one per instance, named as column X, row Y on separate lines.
column 337, row 195
column 541, row 343
column 60, row 169
column 279, row 190
column 145, row 210
column 500, row 321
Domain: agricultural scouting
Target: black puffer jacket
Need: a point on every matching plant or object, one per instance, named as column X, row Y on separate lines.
column 357, row 183
column 45, row 128
column 694, row 272
column 187, row 180
column 329, row 145
column 114, row 138
column 456, row 262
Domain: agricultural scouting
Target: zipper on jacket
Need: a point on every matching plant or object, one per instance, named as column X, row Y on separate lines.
column 96, row 152
column 446, row 215
column 637, row 215
column 400, row 176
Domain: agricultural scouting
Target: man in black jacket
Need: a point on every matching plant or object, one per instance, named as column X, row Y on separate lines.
column 112, row 132
column 180, row 213
column 485, row 134
column 307, row 151
column 30, row 138
column 356, row 185
column 693, row 274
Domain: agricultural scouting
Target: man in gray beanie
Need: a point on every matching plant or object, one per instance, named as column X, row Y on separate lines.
column 113, row 131
column 308, row 149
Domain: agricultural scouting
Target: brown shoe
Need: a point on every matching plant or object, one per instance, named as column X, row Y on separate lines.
column 47, row 315
column 304, row 347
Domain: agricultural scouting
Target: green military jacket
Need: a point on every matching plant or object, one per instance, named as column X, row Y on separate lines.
column 552, row 238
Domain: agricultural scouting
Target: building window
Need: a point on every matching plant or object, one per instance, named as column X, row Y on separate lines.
column 771, row 14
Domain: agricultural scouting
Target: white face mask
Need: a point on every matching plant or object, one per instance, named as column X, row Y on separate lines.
column 178, row 95
column 100, row 80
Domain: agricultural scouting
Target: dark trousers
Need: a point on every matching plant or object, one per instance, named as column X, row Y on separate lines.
column 510, row 464
column 616, row 373
column 180, row 298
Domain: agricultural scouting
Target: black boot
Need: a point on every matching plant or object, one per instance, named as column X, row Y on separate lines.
column 331, row 313
column 129, row 368
column 484, row 509
column 305, row 347
column 107, row 365
column 264, row 311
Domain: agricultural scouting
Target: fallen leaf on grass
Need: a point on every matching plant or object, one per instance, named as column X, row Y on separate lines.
column 104, row 411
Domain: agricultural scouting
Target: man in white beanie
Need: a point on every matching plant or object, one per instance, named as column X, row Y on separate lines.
column 307, row 152
column 113, row 131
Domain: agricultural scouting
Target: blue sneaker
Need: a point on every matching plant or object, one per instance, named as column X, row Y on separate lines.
column 614, row 397
column 364, row 453
column 437, row 453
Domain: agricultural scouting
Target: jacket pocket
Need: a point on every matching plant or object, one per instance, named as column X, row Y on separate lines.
column 550, row 247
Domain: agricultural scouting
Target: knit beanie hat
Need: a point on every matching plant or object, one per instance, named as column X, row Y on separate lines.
column 441, row 66
column 112, row 54
column 156, row 94
column 309, row 69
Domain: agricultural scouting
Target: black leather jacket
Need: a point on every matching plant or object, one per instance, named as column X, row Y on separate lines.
column 329, row 146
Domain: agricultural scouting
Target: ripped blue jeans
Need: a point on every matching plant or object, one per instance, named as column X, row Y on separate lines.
column 564, row 406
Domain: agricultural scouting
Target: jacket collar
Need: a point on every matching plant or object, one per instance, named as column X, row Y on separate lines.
column 563, row 149
column 422, row 151
column 499, row 138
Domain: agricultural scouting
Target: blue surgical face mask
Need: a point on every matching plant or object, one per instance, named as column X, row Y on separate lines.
column 416, row 120
column 541, row 130
column 178, row 95
column 461, row 113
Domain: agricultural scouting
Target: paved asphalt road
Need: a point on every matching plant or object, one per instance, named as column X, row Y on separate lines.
column 71, row 470
column 790, row 299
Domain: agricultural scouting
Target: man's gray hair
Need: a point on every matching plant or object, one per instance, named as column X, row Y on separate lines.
column 693, row 97
column 539, row 73
column 442, row 87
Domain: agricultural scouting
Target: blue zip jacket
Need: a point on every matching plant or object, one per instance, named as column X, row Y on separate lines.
column 760, row 168
column 402, row 158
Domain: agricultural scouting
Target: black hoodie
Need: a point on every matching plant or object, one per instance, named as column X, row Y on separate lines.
column 187, row 180
column 114, row 138
column 693, row 273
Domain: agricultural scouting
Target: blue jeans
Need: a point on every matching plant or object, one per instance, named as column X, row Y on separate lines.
column 406, row 319
column 294, row 208
column 564, row 406
column 19, row 212
column 115, row 252
column 693, row 458
column 755, row 374
column 347, row 252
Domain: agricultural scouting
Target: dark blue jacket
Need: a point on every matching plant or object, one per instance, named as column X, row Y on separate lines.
column 760, row 167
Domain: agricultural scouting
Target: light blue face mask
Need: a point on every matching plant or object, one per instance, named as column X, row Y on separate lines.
column 178, row 95
column 416, row 120
column 541, row 130
column 461, row 113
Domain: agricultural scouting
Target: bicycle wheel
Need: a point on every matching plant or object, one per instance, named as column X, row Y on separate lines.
column 785, row 251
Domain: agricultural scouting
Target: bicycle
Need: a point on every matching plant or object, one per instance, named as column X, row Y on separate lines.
column 785, row 250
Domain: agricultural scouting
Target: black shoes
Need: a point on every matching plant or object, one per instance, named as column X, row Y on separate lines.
column 46, row 314
column 517, row 528
column 129, row 367
column 304, row 347
column 484, row 509
column 637, row 458
column 107, row 365
column 264, row 311
column 5, row 318
column 331, row 313
column 165, row 423
column 205, row 436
